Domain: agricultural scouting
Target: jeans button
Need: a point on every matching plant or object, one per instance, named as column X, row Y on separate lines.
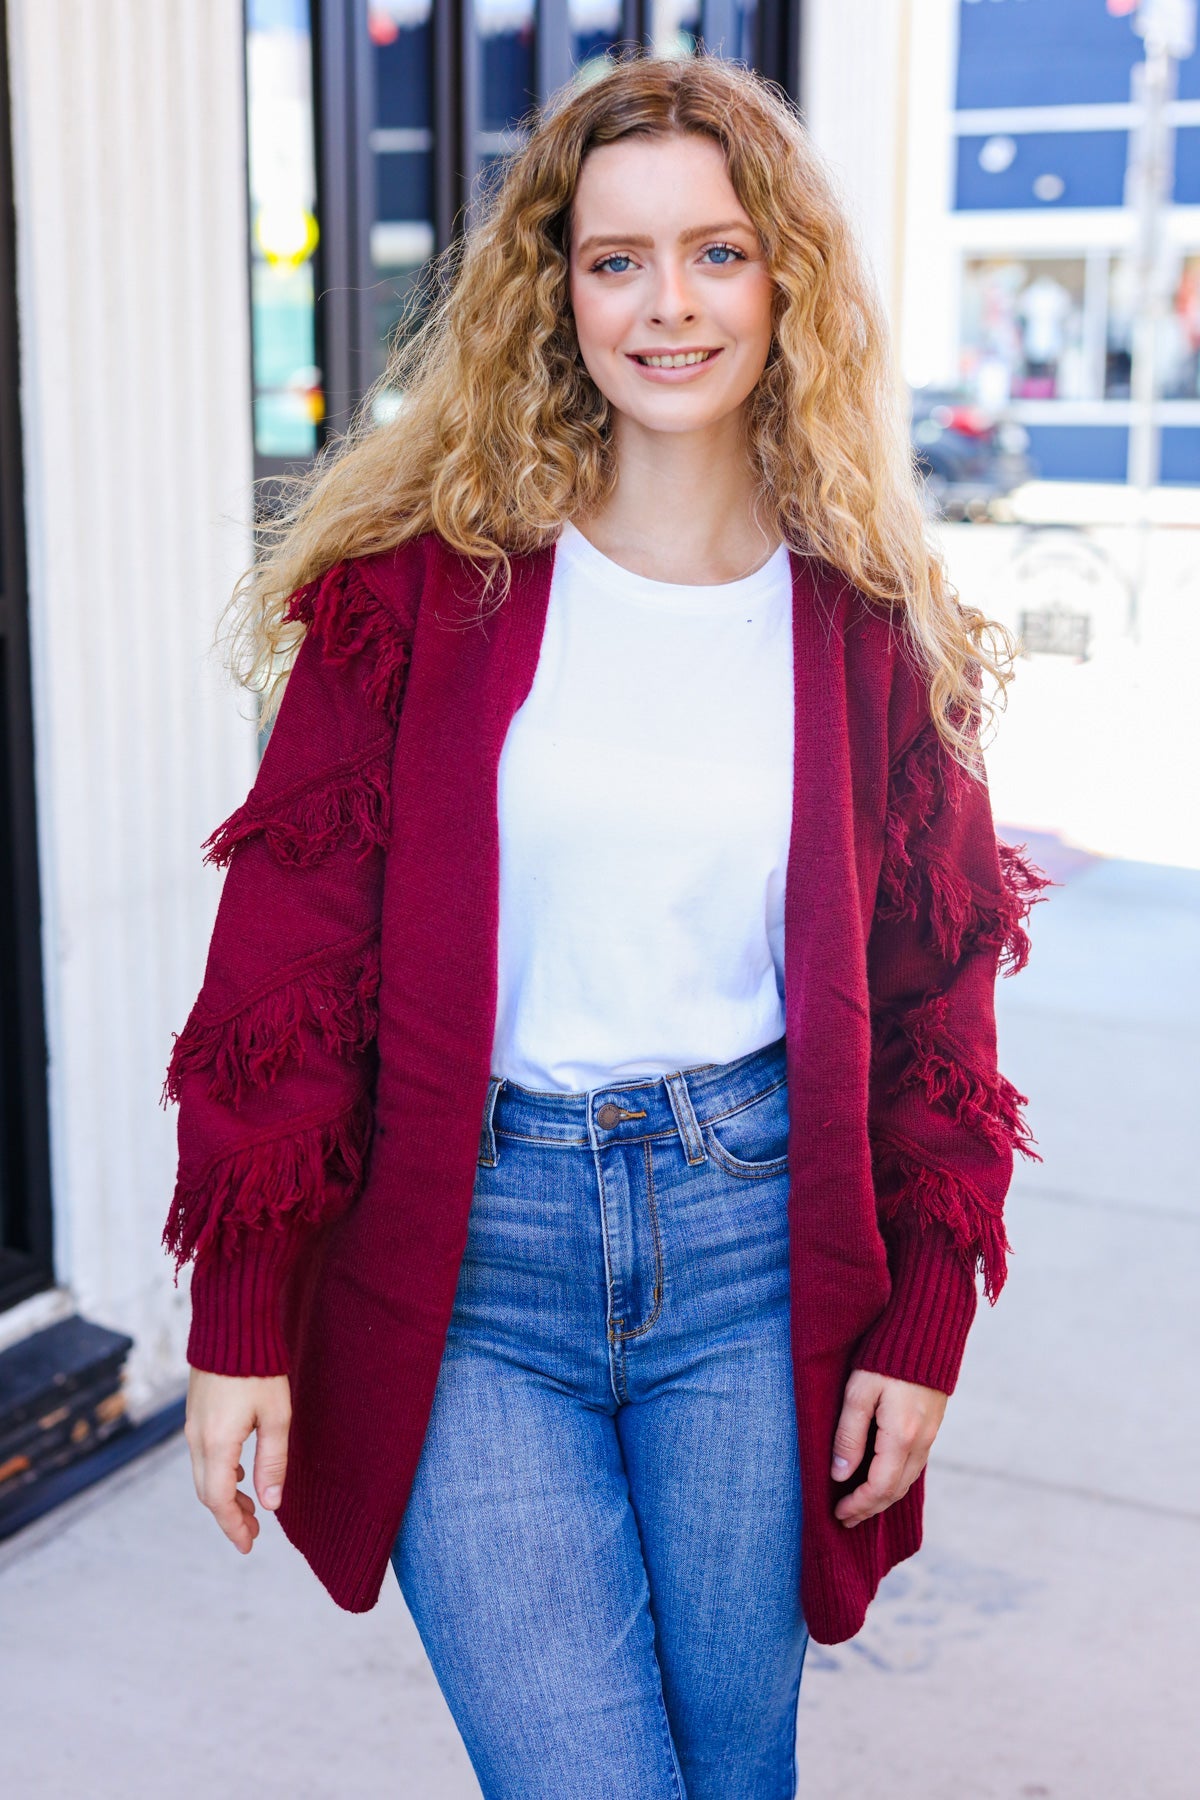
column 607, row 1115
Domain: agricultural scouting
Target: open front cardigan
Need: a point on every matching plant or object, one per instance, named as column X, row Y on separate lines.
column 332, row 1074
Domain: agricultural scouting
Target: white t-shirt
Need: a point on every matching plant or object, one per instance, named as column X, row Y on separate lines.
column 645, row 805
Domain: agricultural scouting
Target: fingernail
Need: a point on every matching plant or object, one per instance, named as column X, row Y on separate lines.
column 273, row 1496
column 840, row 1466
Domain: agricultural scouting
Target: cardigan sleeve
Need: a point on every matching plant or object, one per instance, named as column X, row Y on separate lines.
column 944, row 1123
column 273, row 1071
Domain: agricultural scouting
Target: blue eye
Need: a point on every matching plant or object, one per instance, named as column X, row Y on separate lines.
column 621, row 256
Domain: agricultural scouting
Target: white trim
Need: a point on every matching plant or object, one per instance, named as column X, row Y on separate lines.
column 1013, row 121
column 1168, row 413
column 1063, row 232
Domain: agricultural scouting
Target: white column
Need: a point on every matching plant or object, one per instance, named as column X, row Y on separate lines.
column 877, row 92
column 852, row 97
column 928, row 311
column 129, row 141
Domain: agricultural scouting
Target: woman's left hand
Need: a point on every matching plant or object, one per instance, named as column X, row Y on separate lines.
column 907, row 1419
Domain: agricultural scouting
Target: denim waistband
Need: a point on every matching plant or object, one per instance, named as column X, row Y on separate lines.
column 640, row 1107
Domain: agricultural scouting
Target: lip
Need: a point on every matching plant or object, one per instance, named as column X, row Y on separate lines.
column 686, row 373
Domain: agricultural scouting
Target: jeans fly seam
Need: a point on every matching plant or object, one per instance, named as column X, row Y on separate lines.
column 614, row 1379
column 658, row 1257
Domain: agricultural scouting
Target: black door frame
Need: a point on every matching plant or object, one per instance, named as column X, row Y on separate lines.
column 26, row 1231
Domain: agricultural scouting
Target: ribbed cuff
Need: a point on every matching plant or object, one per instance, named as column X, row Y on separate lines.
column 236, row 1306
column 922, row 1332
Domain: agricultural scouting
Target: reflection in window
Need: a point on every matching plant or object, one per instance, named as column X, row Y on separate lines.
column 1177, row 338
column 1061, row 328
column 1023, row 329
column 1181, row 377
column 402, row 146
column 288, row 395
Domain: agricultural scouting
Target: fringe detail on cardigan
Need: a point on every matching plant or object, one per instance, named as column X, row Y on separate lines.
column 347, row 806
column 305, row 1177
column 337, row 996
column 346, row 618
column 960, row 919
column 922, row 775
column 1023, row 884
column 926, row 1194
column 986, row 1103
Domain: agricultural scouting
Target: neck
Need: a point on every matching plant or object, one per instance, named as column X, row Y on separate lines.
column 682, row 508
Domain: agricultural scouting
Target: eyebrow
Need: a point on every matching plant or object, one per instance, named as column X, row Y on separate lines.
column 647, row 243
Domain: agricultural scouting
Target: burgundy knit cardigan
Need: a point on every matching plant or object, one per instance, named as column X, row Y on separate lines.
column 333, row 1071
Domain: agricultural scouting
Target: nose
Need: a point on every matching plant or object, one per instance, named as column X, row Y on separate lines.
column 672, row 297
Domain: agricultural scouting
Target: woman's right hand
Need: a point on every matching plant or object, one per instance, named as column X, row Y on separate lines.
column 222, row 1411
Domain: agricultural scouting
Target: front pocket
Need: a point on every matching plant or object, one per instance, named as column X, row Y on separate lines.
column 752, row 1142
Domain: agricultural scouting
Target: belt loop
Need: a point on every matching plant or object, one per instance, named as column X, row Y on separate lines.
column 685, row 1117
column 487, row 1137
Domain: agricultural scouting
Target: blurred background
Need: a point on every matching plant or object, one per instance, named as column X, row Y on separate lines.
column 212, row 215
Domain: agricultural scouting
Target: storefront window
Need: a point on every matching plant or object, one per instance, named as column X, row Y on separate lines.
column 1061, row 328
column 1181, row 378
column 1024, row 329
column 1178, row 340
column 506, row 76
column 403, row 235
column 288, row 393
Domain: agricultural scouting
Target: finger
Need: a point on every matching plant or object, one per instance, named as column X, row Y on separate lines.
column 882, row 1485
column 850, row 1438
column 251, row 1517
column 270, row 1459
column 220, row 1495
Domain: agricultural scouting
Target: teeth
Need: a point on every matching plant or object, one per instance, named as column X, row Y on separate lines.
column 674, row 362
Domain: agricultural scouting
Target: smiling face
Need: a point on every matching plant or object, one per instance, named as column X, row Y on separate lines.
column 664, row 258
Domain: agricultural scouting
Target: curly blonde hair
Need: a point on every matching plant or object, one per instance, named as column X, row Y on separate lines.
column 501, row 435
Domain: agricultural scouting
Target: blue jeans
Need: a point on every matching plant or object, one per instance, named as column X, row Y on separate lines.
column 601, row 1549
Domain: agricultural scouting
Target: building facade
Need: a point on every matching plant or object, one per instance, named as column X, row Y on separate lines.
column 1020, row 282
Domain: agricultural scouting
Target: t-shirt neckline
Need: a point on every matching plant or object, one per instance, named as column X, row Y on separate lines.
column 718, row 596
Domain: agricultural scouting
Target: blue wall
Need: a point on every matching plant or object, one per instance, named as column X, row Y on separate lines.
column 1091, row 165
column 1101, row 453
column 1045, row 53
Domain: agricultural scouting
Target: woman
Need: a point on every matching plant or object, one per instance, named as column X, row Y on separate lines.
column 590, row 1125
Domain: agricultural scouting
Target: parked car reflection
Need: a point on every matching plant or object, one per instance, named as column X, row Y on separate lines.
column 971, row 458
